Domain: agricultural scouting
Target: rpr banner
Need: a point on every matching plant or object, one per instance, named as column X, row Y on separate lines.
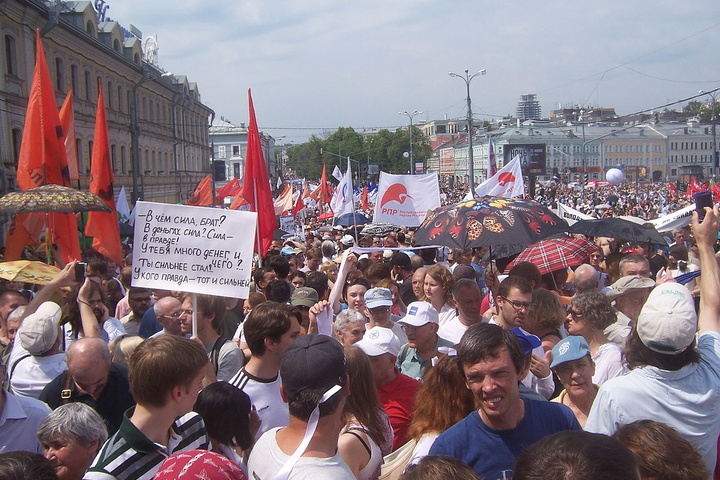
column 193, row 249
column 405, row 199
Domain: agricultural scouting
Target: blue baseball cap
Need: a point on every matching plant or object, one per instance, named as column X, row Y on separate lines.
column 568, row 349
column 528, row 341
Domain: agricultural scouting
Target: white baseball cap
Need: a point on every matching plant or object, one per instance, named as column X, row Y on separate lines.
column 667, row 322
column 419, row 314
column 379, row 340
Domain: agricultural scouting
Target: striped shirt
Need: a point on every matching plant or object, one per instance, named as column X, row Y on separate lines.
column 130, row 455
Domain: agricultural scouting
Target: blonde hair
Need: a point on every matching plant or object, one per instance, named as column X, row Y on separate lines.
column 123, row 347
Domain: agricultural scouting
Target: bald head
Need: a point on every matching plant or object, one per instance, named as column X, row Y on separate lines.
column 167, row 306
column 586, row 278
column 89, row 361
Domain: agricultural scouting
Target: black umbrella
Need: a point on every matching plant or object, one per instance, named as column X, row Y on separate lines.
column 491, row 221
column 618, row 228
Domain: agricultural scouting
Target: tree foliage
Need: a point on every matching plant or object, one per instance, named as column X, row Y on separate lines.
column 384, row 148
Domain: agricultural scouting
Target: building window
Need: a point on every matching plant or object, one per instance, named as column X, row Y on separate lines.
column 110, row 95
column 123, row 167
column 74, row 79
column 78, row 148
column 236, row 150
column 90, row 149
column 119, row 98
column 88, row 86
column 59, row 75
column 11, row 56
column 113, row 158
column 16, row 142
column 221, row 151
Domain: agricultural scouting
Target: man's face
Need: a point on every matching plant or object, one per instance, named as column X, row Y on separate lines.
column 632, row 302
column 267, row 278
column 383, row 368
column 171, row 319
column 288, row 337
column 390, row 242
column 468, row 302
column 376, row 256
column 417, row 282
column 640, row 269
column 313, row 263
column 12, row 302
column 576, row 375
column 423, row 337
column 596, row 258
column 191, row 392
column 494, row 384
column 354, row 332
column 186, row 317
column 514, row 308
column 90, row 378
column 97, row 305
column 139, row 303
column 12, row 328
column 276, row 245
column 380, row 316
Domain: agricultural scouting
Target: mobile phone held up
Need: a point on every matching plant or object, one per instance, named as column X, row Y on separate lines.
column 703, row 199
column 80, row 271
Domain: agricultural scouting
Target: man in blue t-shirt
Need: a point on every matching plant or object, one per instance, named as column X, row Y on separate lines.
column 491, row 439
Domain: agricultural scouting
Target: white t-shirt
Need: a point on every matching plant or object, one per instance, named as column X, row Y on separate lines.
column 29, row 374
column 265, row 397
column 454, row 329
column 266, row 460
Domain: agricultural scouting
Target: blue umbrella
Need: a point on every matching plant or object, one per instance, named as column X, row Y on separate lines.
column 350, row 219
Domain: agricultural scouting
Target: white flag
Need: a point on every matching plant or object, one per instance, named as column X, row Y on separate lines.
column 337, row 174
column 406, row 199
column 507, row 182
column 121, row 205
column 570, row 215
column 342, row 200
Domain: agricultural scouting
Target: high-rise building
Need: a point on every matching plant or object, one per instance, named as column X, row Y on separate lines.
column 528, row 108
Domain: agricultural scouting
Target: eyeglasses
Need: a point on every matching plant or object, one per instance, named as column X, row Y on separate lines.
column 140, row 299
column 186, row 312
column 520, row 305
column 410, row 328
column 379, row 310
column 175, row 315
column 573, row 313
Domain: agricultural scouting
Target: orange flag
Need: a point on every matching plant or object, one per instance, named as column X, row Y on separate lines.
column 365, row 197
column 202, row 196
column 231, row 189
column 67, row 120
column 103, row 226
column 42, row 161
column 256, row 186
column 299, row 203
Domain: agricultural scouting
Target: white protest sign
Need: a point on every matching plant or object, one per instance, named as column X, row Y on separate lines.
column 193, row 249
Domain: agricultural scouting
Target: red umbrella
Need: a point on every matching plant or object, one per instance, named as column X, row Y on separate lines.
column 325, row 216
column 555, row 254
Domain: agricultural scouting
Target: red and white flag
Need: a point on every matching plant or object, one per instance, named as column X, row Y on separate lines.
column 406, row 199
column 507, row 182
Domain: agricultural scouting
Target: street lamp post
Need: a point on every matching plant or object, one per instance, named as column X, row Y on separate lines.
column 713, row 95
column 410, row 116
column 135, row 133
column 467, row 78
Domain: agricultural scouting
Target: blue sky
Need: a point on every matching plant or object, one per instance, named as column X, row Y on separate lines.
column 315, row 65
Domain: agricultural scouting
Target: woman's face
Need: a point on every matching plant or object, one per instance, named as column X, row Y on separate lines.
column 331, row 272
column 69, row 459
column 298, row 282
column 433, row 289
column 575, row 323
column 355, row 297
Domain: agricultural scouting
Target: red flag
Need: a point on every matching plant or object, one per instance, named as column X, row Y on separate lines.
column 42, row 152
column 231, row 189
column 299, row 203
column 256, row 187
column 103, row 226
column 202, row 196
column 364, row 198
column 325, row 191
column 42, row 161
column 67, row 120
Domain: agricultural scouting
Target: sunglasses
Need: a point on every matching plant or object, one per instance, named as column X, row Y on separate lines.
column 574, row 313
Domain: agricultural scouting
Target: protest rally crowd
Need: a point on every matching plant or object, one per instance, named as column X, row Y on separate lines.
column 366, row 357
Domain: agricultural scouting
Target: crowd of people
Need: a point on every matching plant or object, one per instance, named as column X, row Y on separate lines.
column 388, row 361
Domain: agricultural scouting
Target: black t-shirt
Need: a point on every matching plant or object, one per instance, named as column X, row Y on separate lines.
column 114, row 399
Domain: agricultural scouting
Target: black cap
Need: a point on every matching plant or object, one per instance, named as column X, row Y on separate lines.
column 400, row 259
column 312, row 361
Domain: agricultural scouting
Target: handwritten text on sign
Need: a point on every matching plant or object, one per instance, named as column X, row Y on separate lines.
column 193, row 249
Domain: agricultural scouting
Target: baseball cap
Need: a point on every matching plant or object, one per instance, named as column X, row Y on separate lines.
column 39, row 331
column 628, row 284
column 379, row 340
column 378, row 297
column 400, row 259
column 287, row 250
column 419, row 314
column 347, row 240
column 667, row 322
column 305, row 296
column 312, row 361
column 528, row 341
column 573, row 347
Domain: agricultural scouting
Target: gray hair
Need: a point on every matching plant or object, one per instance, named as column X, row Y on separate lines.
column 328, row 248
column 346, row 317
column 75, row 421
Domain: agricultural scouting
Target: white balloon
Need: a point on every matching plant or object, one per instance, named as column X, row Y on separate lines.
column 615, row 176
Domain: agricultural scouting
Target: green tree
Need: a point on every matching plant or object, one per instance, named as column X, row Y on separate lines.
column 693, row 107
